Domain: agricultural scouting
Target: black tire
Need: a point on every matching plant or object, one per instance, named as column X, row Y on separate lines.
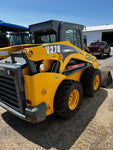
column 61, row 101
column 108, row 54
column 87, row 81
column 101, row 55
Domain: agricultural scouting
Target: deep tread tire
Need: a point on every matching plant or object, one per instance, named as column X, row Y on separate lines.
column 61, row 100
column 108, row 54
column 101, row 55
column 87, row 81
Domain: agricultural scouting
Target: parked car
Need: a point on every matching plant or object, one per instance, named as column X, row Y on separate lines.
column 99, row 48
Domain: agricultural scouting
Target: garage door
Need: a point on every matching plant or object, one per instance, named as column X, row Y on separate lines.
column 108, row 36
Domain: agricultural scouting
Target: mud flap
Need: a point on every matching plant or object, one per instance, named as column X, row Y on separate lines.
column 106, row 78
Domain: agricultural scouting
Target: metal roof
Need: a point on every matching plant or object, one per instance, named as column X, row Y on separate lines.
column 99, row 28
column 12, row 27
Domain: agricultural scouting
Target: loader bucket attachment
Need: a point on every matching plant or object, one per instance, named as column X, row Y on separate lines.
column 106, row 78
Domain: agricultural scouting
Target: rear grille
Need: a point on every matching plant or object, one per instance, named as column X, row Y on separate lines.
column 8, row 92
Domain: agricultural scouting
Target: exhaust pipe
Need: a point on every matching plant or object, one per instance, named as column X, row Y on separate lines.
column 106, row 78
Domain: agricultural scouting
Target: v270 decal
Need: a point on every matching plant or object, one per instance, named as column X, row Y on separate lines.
column 52, row 49
column 65, row 50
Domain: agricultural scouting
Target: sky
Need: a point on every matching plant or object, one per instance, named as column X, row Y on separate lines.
column 86, row 12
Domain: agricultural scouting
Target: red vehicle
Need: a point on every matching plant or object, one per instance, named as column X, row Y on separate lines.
column 99, row 48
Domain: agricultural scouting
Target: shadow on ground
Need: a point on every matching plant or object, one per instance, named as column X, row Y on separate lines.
column 110, row 86
column 104, row 57
column 57, row 132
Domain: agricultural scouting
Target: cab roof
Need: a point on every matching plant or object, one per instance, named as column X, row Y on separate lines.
column 51, row 25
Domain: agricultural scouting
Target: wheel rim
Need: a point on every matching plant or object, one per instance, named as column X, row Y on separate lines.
column 96, row 82
column 73, row 99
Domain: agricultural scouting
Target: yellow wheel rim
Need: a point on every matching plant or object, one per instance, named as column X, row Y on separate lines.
column 73, row 99
column 96, row 82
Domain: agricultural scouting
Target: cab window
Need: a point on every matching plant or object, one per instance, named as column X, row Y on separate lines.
column 47, row 38
column 74, row 37
column 69, row 36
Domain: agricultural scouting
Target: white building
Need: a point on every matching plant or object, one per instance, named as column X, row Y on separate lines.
column 101, row 33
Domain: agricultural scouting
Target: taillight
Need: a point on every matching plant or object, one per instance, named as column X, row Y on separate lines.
column 28, row 102
column 12, row 73
column 99, row 48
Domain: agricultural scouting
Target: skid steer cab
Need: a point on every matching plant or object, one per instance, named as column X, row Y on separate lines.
column 50, row 78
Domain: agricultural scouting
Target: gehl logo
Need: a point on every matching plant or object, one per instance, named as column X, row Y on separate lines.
column 52, row 49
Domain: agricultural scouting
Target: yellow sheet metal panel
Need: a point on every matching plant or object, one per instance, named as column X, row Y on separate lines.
column 42, row 88
column 76, row 76
column 6, row 51
column 41, row 53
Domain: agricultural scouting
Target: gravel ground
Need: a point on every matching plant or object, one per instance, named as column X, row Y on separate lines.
column 90, row 129
column 106, row 63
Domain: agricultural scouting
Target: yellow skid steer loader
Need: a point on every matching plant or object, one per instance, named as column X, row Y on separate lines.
column 38, row 81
